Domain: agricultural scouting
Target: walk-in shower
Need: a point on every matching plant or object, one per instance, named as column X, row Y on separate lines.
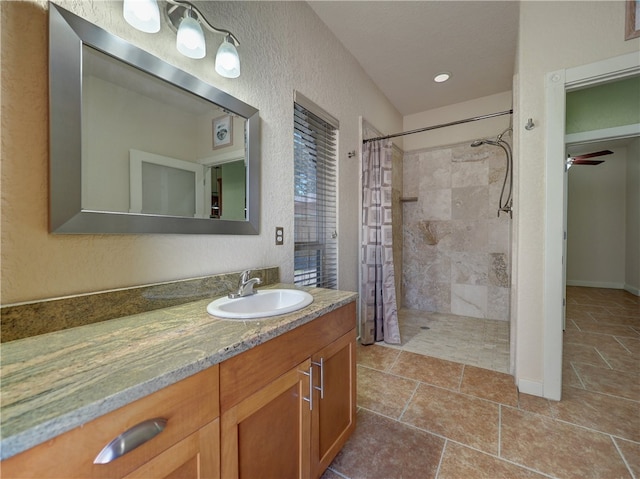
column 505, row 203
column 454, row 253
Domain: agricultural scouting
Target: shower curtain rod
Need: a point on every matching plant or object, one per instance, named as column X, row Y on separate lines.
column 420, row 130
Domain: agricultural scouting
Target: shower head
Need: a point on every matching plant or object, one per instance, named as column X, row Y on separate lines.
column 477, row 143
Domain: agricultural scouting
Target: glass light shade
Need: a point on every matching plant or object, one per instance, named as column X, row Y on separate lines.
column 190, row 40
column 143, row 15
column 227, row 60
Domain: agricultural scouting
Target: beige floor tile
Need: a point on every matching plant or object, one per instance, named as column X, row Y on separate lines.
column 376, row 357
column 381, row 448
column 456, row 416
column 460, row 462
column 580, row 311
column 604, row 413
column 557, row 448
column 479, row 342
column 604, row 328
column 592, row 433
column 622, row 318
column 631, row 344
column 609, row 381
column 535, row 404
column 570, row 327
column 438, row 372
column 620, row 359
column 570, row 376
column 583, row 353
column 631, row 453
column 592, row 339
column 382, row 392
column 491, row 385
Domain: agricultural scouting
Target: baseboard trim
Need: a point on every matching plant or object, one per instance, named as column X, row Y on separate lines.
column 595, row 284
column 530, row 387
column 632, row 289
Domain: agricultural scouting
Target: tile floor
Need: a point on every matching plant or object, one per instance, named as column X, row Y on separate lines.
column 478, row 342
column 426, row 417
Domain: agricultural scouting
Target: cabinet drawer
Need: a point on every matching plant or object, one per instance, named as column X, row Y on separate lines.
column 186, row 405
column 248, row 372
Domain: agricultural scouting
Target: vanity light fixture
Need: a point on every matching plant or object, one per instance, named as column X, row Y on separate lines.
column 187, row 21
column 143, row 15
column 227, row 60
column 190, row 38
column 442, row 77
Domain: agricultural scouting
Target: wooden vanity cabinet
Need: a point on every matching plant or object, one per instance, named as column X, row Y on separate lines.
column 268, row 433
column 333, row 416
column 275, row 421
column 282, row 409
column 188, row 447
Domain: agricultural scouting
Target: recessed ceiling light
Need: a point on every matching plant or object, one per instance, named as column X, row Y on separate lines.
column 442, row 77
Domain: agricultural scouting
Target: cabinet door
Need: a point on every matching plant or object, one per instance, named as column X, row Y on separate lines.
column 333, row 416
column 195, row 457
column 267, row 435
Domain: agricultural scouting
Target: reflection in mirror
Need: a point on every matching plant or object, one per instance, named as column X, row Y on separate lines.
column 138, row 146
column 128, row 113
column 230, row 179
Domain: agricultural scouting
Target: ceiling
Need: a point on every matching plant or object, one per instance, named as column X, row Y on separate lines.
column 402, row 45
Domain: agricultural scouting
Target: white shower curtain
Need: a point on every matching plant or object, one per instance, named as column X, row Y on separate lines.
column 377, row 295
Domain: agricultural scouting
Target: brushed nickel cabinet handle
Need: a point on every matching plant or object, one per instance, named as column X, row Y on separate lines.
column 130, row 439
column 321, row 388
column 310, row 398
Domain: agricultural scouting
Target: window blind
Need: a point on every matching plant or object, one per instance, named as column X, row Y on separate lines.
column 315, row 235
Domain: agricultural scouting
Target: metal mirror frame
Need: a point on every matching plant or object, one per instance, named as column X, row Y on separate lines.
column 67, row 35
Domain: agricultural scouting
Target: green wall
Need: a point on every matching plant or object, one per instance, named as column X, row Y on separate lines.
column 233, row 190
column 605, row 106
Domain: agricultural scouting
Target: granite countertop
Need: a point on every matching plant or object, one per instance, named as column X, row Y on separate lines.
column 55, row 382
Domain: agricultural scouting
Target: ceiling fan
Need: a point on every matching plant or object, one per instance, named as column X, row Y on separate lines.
column 584, row 159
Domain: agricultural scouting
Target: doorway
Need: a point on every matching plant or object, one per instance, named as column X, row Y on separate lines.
column 558, row 83
column 602, row 215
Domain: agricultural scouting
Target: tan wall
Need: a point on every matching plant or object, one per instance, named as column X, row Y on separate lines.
column 277, row 39
column 452, row 135
column 552, row 36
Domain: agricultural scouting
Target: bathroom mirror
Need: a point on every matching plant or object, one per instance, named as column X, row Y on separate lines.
column 140, row 146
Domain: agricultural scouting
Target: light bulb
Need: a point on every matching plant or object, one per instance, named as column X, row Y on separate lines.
column 143, row 15
column 442, row 77
column 227, row 60
column 190, row 40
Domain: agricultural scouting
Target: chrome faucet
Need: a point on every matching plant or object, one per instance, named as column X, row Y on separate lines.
column 245, row 285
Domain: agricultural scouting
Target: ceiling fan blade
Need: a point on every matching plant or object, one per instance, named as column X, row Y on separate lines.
column 586, row 162
column 592, row 155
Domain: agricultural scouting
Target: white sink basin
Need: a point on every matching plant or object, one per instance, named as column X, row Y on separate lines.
column 265, row 303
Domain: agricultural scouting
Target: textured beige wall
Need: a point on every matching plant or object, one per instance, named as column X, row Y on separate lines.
column 452, row 135
column 552, row 36
column 284, row 47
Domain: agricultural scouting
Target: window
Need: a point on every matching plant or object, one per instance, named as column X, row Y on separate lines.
column 315, row 236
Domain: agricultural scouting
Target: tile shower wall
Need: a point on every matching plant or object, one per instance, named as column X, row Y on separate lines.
column 456, row 251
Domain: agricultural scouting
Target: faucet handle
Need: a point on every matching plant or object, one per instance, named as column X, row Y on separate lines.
column 244, row 276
